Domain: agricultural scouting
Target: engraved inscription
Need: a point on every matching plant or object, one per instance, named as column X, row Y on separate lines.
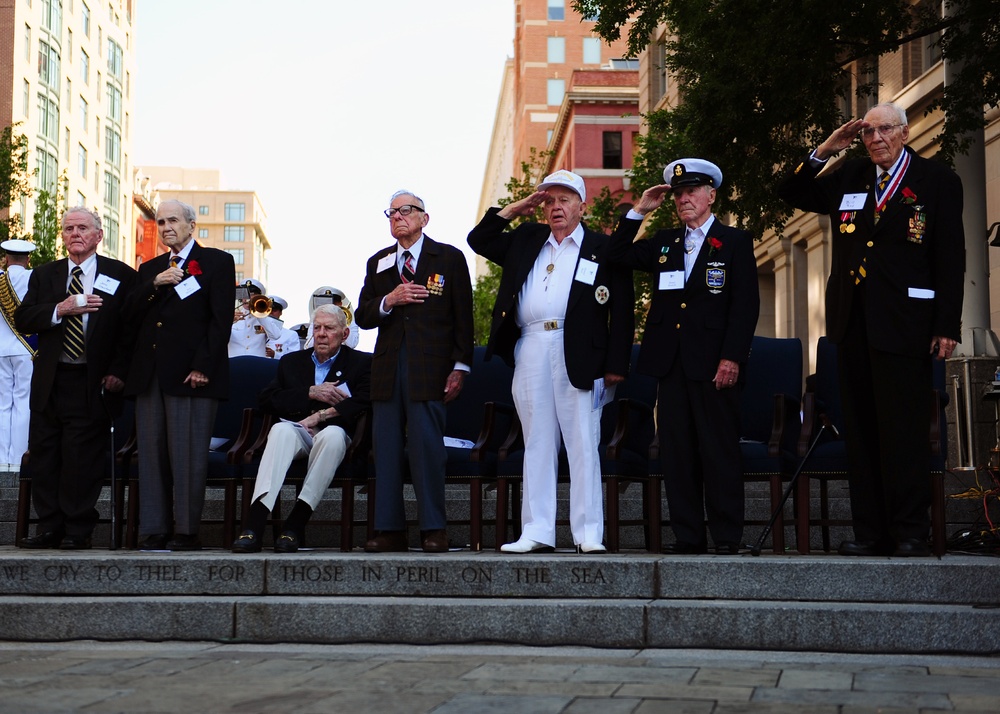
column 15, row 573
column 371, row 573
column 477, row 575
column 226, row 573
column 160, row 573
column 588, row 575
column 312, row 573
column 108, row 572
column 419, row 574
column 532, row 576
column 54, row 573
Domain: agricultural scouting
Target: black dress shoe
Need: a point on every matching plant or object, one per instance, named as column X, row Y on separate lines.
column 388, row 542
column 724, row 548
column 682, row 548
column 858, row 547
column 156, row 541
column 184, row 541
column 47, row 539
column 248, row 542
column 912, row 548
column 288, row 542
column 72, row 542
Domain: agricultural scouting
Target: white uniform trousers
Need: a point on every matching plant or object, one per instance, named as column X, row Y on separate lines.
column 15, row 388
column 547, row 405
column 284, row 445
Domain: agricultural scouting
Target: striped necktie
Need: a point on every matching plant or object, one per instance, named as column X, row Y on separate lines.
column 407, row 274
column 73, row 332
column 883, row 181
column 175, row 261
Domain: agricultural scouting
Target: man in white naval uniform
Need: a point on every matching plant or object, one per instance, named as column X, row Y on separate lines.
column 250, row 334
column 15, row 357
column 289, row 340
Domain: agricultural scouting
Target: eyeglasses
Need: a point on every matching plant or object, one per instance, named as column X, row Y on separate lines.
column 402, row 210
column 884, row 130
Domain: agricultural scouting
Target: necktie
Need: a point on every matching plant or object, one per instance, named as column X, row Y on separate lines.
column 689, row 244
column 175, row 261
column 407, row 272
column 73, row 332
column 883, row 181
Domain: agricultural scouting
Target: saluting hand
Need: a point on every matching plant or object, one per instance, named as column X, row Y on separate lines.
column 841, row 138
column 651, row 199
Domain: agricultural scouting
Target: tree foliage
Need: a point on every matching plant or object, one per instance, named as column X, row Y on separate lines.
column 760, row 79
column 46, row 227
column 15, row 180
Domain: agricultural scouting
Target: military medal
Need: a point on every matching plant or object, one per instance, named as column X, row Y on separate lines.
column 663, row 253
column 601, row 294
column 847, row 222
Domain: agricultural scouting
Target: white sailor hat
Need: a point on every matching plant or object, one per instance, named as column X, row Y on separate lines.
column 692, row 172
column 255, row 284
column 16, row 246
column 279, row 302
column 565, row 178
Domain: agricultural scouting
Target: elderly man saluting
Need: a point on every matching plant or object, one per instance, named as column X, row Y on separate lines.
column 563, row 319
column 700, row 325
column 319, row 394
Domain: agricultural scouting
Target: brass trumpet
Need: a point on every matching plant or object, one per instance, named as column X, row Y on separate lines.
column 260, row 306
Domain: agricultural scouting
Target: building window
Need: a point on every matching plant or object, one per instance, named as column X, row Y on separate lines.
column 114, row 59
column 48, row 119
column 235, row 212
column 48, row 65
column 69, row 43
column 85, row 13
column 112, row 145
column 237, row 254
column 556, row 88
column 81, row 160
column 111, row 234
column 110, row 190
column 84, row 114
column 81, row 200
column 557, row 9
column 27, row 43
column 47, row 170
column 548, row 136
column 52, row 16
column 84, row 66
column 26, row 99
column 66, row 144
column 203, row 233
column 612, row 141
column 202, row 210
column 114, row 103
column 69, row 96
column 591, row 50
column 239, row 277
column 233, row 234
column 556, row 50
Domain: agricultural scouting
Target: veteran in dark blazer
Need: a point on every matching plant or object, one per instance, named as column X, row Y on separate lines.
column 563, row 318
column 75, row 305
column 701, row 322
column 182, row 310
column 893, row 302
column 320, row 392
column 418, row 294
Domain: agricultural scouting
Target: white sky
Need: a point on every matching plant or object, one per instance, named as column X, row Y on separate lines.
column 325, row 108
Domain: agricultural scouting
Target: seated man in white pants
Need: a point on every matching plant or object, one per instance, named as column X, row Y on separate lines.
column 319, row 393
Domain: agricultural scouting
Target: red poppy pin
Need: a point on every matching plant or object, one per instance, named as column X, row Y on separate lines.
column 909, row 198
column 715, row 243
column 193, row 268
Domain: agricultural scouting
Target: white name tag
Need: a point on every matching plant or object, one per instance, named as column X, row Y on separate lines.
column 386, row 262
column 921, row 293
column 586, row 271
column 186, row 288
column 672, row 280
column 853, row 201
column 106, row 284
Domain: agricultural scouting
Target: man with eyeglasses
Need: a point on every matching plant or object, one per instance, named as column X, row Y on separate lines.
column 418, row 293
column 564, row 320
column 893, row 302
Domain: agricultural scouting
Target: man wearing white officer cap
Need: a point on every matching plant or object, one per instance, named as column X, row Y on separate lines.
column 15, row 356
column 250, row 333
column 701, row 321
column 564, row 319
column 289, row 340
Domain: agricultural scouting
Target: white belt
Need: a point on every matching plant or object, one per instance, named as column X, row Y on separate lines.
column 542, row 326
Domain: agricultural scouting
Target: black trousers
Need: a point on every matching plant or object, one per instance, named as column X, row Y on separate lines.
column 68, row 440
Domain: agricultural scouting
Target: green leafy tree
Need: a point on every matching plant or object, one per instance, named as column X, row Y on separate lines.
column 15, row 180
column 759, row 80
column 46, row 228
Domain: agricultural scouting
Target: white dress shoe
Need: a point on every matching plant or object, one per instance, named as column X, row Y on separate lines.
column 591, row 548
column 526, row 545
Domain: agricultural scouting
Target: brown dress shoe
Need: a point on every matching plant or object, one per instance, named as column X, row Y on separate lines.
column 436, row 541
column 388, row 542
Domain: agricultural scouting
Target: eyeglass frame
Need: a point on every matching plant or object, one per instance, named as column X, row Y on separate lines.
column 885, row 131
column 390, row 212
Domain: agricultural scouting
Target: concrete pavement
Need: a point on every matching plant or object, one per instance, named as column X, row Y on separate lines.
column 88, row 676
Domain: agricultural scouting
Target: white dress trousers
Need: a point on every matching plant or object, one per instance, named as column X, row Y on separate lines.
column 548, row 405
column 284, row 445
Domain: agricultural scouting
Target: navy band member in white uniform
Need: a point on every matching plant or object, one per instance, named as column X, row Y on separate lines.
column 250, row 333
column 564, row 318
column 289, row 341
column 15, row 356
column 700, row 325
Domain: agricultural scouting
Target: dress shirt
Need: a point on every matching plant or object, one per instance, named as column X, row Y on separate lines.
column 323, row 368
column 89, row 268
column 697, row 236
column 544, row 295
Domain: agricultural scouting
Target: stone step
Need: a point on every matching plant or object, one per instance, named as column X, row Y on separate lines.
column 826, row 603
